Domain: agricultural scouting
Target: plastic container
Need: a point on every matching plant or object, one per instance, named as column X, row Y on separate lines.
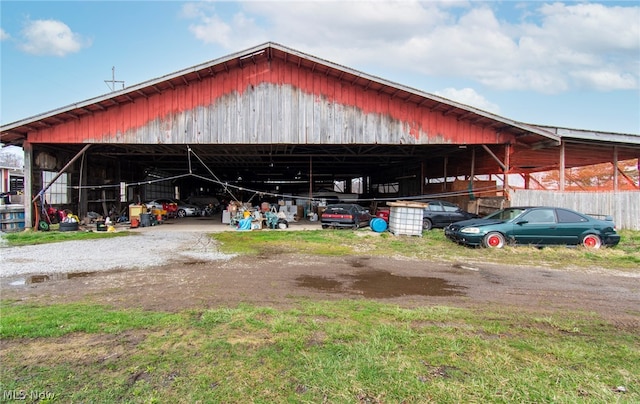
column 100, row 225
column 136, row 210
column 145, row 219
column 68, row 226
column 383, row 213
column 378, row 224
column 405, row 220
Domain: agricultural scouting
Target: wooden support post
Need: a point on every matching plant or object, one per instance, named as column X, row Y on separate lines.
column 615, row 168
column 444, row 175
column 29, row 212
column 423, row 170
column 561, row 176
column 83, row 203
column 473, row 171
column 507, row 162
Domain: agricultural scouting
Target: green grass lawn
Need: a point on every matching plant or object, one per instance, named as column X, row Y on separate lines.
column 44, row 237
column 431, row 246
column 336, row 352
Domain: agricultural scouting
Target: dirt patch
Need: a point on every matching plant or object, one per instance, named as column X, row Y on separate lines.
column 281, row 280
column 80, row 348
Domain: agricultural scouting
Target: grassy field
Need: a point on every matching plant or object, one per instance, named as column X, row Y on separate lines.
column 431, row 246
column 334, row 352
column 350, row 351
column 44, row 237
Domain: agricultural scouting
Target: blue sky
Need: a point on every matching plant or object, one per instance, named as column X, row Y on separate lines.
column 567, row 64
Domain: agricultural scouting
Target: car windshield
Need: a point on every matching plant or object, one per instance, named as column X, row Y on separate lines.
column 506, row 214
column 337, row 208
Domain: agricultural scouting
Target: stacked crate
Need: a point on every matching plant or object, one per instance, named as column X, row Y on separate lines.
column 11, row 218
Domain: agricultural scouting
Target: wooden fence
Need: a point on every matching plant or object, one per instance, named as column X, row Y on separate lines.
column 624, row 206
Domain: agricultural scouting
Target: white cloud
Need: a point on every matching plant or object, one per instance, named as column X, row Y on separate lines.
column 212, row 30
column 51, row 37
column 4, row 35
column 605, row 80
column 469, row 96
column 548, row 48
column 237, row 33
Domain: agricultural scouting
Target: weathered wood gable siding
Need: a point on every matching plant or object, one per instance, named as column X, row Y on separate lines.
column 269, row 103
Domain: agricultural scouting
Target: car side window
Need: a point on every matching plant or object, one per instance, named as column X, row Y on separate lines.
column 540, row 216
column 449, row 207
column 435, row 207
column 565, row 216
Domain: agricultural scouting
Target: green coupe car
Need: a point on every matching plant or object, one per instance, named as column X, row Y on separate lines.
column 536, row 226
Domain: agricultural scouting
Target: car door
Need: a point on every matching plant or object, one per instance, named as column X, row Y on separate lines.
column 362, row 214
column 452, row 213
column 536, row 227
column 435, row 213
column 571, row 226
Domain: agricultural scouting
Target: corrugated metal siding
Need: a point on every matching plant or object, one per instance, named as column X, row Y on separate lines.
column 623, row 206
column 270, row 102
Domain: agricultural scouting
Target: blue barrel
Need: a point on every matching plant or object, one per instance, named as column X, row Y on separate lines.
column 378, row 225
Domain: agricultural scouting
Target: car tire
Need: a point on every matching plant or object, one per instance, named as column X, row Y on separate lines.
column 182, row 213
column 325, row 226
column 493, row 240
column 427, row 224
column 592, row 241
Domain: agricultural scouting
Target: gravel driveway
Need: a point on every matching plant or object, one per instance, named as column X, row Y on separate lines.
column 145, row 249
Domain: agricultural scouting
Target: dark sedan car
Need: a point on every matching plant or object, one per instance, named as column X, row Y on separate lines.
column 442, row 213
column 349, row 215
column 537, row 226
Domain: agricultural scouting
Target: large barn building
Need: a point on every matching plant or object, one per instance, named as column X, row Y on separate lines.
column 276, row 122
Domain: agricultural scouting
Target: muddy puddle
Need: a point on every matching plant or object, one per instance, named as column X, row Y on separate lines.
column 32, row 279
column 382, row 284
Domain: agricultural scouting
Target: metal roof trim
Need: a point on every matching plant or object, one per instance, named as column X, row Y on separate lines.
column 599, row 136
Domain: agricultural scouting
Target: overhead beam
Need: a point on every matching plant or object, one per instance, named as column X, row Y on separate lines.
column 492, row 154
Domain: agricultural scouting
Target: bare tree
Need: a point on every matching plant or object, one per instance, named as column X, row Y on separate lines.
column 11, row 157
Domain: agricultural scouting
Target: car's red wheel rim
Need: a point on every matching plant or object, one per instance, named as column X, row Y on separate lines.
column 591, row 242
column 494, row 241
